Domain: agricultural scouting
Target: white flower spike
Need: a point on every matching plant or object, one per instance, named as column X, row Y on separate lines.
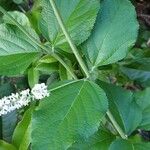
column 39, row 91
column 18, row 100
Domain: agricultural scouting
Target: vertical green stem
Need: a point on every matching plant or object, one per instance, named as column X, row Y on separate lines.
column 115, row 124
column 81, row 62
column 68, row 38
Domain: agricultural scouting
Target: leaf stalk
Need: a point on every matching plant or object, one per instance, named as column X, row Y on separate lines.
column 116, row 126
column 81, row 62
column 69, row 39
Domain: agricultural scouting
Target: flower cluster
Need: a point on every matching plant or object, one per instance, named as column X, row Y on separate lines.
column 39, row 91
column 18, row 100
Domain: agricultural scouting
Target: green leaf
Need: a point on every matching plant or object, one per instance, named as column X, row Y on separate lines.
column 47, row 68
column 128, row 145
column 78, row 16
column 8, row 125
column 143, row 100
column 33, row 77
column 63, row 73
column 19, row 17
column 16, row 64
column 9, row 120
column 17, row 51
column 74, row 110
column 26, row 139
column 34, row 15
column 137, row 66
column 13, row 41
column 6, row 146
column 123, row 107
column 47, row 59
column 21, row 136
column 114, row 33
column 101, row 140
column 141, row 75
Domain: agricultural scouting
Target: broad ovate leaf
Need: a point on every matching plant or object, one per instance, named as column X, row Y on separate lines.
column 114, row 33
column 74, row 110
column 78, row 16
column 123, row 107
column 17, row 51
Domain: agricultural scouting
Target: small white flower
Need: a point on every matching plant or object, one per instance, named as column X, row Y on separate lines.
column 18, row 100
column 25, row 98
column 40, row 91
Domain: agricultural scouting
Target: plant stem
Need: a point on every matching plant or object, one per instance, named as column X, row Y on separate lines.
column 74, row 49
column 116, row 126
column 68, row 38
column 81, row 62
column 38, row 43
column 65, row 65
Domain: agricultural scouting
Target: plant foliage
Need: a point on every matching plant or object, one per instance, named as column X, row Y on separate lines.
column 80, row 48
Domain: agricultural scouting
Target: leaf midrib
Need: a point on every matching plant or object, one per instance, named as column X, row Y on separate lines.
column 67, row 113
column 66, row 22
